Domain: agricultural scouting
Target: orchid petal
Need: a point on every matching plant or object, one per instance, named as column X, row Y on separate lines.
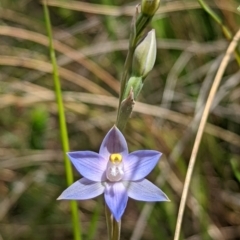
column 82, row 189
column 139, row 164
column 114, row 142
column 116, row 198
column 89, row 164
column 144, row 190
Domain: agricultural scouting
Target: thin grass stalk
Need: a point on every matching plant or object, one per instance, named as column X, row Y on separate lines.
column 212, row 93
column 62, row 123
column 92, row 229
column 227, row 33
column 109, row 220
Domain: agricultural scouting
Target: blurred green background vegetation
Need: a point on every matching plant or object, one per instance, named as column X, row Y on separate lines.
column 91, row 40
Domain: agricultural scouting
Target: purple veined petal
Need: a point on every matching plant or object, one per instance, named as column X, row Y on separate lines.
column 82, row 189
column 138, row 164
column 114, row 142
column 89, row 164
column 116, row 198
column 144, row 190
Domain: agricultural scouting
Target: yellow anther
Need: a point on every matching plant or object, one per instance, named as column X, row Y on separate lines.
column 115, row 158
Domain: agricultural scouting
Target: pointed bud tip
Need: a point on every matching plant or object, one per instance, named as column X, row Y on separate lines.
column 149, row 7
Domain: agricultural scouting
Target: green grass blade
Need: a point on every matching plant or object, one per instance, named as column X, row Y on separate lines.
column 63, row 127
column 227, row 33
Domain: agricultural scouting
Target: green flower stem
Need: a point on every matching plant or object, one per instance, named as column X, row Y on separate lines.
column 63, row 127
column 116, row 230
column 127, row 96
column 140, row 24
column 142, row 21
column 126, row 70
column 226, row 32
column 113, row 227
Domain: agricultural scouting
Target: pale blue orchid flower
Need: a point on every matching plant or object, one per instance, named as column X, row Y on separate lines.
column 116, row 173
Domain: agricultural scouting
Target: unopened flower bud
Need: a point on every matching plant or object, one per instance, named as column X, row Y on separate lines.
column 135, row 85
column 149, row 7
column 145, row 55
